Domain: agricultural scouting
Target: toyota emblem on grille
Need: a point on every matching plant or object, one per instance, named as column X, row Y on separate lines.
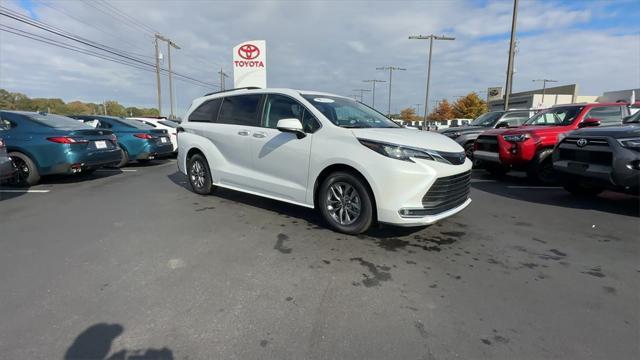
column 582, row 142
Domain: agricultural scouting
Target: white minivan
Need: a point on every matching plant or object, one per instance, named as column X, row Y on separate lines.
column 322, row 151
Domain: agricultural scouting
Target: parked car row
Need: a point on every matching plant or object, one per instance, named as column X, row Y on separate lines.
column 45, row 144
column 575, row 144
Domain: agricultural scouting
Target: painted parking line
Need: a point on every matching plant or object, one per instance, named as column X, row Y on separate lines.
column 536, row 187
column 22, row 191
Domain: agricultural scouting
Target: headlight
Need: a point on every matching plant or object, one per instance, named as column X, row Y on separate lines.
column 632, row 143
column 452, row 135
column 517, row 138
column 402, row 152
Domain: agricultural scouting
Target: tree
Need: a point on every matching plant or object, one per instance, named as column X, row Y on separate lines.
column 443, row 111
column 469, row 107
column 408, row 114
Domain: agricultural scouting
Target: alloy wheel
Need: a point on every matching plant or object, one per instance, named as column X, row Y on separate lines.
column 23, row 169
column 343, row 203
column 198, row 174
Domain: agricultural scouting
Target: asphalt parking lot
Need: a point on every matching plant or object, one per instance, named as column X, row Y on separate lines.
column 132, row 263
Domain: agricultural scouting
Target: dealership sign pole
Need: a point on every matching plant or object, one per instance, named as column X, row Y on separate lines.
column 250, row 64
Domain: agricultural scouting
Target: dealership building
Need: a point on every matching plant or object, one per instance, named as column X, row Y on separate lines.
column 544, row 98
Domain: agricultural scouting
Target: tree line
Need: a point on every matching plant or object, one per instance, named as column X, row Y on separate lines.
column 18, row 101
column 467, row 107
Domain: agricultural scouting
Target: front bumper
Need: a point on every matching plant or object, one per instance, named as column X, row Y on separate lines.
column 401, row 185
column 619, row 174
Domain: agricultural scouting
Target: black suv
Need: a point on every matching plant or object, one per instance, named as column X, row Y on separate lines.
column 590, row 160
column 467, row 135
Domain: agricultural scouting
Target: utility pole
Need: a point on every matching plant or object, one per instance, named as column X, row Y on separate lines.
column 222, row 80
column 373, row 93
column 104, row 107
column 170, row 44
column 512, row 45
column 158, row 77
column 362, row 91
column 544, row 86
column 417, row 108
column 391, row 69
column 430, row 38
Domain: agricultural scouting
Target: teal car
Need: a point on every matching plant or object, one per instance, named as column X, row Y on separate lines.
column 46, row 144
column 138, row 141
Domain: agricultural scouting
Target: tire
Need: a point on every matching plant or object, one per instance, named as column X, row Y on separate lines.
column 468, row 150
column 28, row 174
column 338, row 200
column 541, row 168
column 583, row 190
column 199, row 175
column 125, row 159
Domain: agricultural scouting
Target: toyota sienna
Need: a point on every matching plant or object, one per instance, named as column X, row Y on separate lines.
column 323, row 151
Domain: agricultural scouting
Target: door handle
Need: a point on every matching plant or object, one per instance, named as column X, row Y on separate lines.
column 243, row 133
column 259, row 135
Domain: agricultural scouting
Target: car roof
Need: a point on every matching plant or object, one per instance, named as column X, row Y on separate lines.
column 284, row 91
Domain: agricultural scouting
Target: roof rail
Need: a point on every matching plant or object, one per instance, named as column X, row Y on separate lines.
column 242, row 88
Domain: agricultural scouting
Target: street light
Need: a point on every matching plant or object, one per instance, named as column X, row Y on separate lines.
column 544, row 86
column 391, row 69
column 430, row 38
column 362, row 91
column 373, row 93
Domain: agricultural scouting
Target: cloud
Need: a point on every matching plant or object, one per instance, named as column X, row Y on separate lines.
column 312, row 46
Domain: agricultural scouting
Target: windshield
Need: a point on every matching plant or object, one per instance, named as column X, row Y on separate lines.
column 58, row 121
column 488, row 119
column 349, row 113
column 560, row 116
column 133, row 123
column 633, row 118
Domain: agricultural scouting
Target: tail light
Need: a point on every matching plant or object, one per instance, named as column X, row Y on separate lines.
column 143, row 136
column 67, row 140
column 113, row 138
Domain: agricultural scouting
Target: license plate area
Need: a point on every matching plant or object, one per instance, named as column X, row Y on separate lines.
column 163, row 140
column 100, row 144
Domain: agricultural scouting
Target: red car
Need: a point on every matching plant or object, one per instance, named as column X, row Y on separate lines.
column 529, row 146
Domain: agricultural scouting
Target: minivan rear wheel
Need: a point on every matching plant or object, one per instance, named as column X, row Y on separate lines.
column 345, row 203
column 199, row 175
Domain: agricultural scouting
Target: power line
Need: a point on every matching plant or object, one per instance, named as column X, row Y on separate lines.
column 43, row 26
column 105, row 10
column 53, row 42
column 127, row 16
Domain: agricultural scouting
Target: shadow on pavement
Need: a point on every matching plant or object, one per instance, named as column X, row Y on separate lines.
column 95, row 344
column 309, row 215
column 615, row 203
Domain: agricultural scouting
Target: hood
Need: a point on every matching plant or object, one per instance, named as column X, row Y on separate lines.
column 407, row 137
column 616, row 132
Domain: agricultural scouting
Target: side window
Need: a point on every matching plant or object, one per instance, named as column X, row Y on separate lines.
column 207, row 112
column 240, row 110
column 309, row 122
column 606, row 114
column 7, row 122
column 280, row 107
column 516, row 118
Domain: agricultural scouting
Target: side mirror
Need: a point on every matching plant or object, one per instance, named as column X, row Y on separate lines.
column 291, row 126
column 589, row 122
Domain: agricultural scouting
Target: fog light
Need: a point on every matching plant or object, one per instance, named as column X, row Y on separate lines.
column 634, row 165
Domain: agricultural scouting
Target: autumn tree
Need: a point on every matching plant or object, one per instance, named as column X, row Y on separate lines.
column 408, row 114
column 442, row 111
column 469, row 107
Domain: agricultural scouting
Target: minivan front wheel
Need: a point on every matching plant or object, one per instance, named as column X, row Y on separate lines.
column 345, row 203
column 199, row 175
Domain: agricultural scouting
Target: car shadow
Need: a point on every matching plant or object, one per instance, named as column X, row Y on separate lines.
column 69, row 179
column 509, row 186
column 311, row 216
column 95, row 343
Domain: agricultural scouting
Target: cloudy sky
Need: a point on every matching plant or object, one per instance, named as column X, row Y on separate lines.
column 325, row 45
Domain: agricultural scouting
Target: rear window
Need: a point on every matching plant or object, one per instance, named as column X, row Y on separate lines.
column 168, row 123
column 132, row 123
column 207, row 112
column 58, row 121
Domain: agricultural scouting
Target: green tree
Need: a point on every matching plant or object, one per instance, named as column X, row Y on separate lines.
column 469, row 107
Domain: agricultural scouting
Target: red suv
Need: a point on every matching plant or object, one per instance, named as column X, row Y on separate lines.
column 529, row 146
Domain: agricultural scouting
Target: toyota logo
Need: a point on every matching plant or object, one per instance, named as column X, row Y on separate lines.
column 582, row 142
column 248, row 51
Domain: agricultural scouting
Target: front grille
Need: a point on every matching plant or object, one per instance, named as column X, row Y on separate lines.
column 447, row 193
column 487, row 143
column 596, row 151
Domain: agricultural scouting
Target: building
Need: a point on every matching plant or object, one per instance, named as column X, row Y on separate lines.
column 539, row 98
